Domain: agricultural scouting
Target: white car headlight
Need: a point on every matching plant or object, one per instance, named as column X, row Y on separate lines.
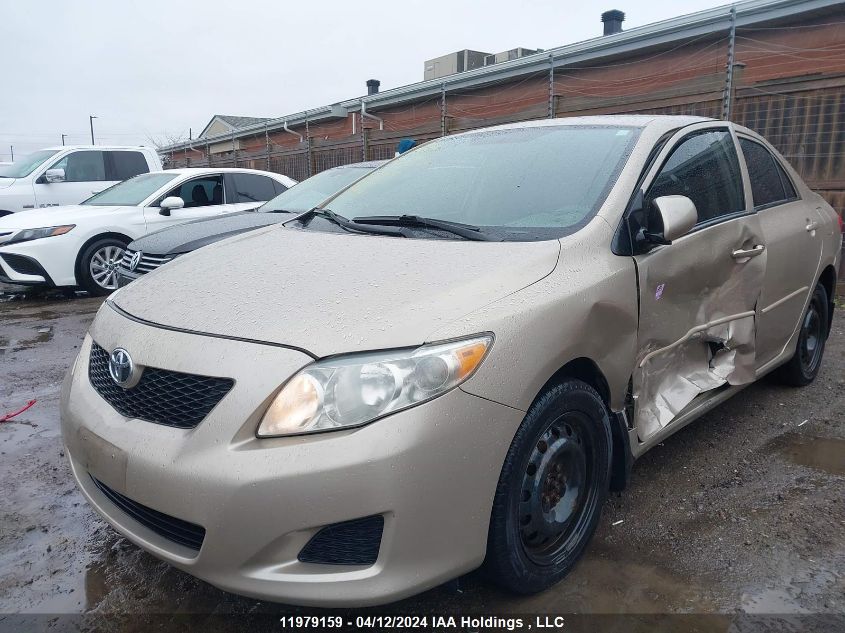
column 349, row 391
column 27, row 235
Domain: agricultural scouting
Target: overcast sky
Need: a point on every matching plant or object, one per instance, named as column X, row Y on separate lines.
column 152, row 69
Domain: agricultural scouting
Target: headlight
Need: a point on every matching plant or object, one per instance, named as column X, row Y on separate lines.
column 348, row 391
column 36, row 234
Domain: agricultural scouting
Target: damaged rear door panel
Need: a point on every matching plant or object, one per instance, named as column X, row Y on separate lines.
column 698, row 295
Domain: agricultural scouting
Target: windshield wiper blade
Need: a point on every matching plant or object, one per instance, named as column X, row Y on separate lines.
column 342, row 222
column 467, row 231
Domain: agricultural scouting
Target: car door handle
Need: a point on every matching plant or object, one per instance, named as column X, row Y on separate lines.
column 743, row 253
column 811, row 226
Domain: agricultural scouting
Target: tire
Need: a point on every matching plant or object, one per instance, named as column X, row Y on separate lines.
column 97, row 272
column 539, row 525
column 804, row 365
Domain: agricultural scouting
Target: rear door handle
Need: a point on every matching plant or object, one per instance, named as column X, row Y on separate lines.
column 811, row 226
column 743, row 253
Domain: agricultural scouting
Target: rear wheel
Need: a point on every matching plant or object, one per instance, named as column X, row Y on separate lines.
column 804, row 366
column 98, row 265
column 551, row 490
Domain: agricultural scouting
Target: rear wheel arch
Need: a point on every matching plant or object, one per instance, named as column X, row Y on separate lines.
column 587, row 370
column 828, row 280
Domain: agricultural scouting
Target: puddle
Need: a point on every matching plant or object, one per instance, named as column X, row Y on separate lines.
column 821, row 453
column 606, row 581
column 789, row 596
column 600, row 585
column 25, row 338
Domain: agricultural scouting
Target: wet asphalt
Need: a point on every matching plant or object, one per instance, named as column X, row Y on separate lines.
column 741, row 512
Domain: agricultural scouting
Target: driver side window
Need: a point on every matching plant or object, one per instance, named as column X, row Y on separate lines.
column 704, row 168
column 85, row 166
column 205, row 191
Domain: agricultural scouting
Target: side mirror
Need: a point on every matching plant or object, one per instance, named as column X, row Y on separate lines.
column 674, row 217
column 55, row 175
column 170, row 203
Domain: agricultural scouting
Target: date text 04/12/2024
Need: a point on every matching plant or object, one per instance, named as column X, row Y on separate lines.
column 470, row 623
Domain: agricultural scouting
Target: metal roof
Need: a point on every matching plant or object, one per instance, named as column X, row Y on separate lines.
column 665, row 32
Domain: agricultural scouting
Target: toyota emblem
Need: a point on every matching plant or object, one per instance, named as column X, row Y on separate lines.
column 121, row 367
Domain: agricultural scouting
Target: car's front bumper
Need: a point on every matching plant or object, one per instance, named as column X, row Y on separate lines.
column 42, row 262
column 430, row 471
column 125, row 277
column 22, row 270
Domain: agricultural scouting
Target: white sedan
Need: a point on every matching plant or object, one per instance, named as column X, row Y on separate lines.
column 82, row 245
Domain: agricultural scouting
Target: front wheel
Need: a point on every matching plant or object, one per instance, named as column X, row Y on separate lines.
column 551, row 490
column 804, row 366
column 98, row 266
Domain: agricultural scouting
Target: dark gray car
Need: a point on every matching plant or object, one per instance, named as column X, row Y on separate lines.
column 153, row 250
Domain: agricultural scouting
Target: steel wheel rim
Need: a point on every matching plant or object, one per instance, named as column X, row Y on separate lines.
column 810, row 342
column 103, row 266
column 556, row 491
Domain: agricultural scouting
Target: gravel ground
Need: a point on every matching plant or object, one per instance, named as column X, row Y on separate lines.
column 740, row 512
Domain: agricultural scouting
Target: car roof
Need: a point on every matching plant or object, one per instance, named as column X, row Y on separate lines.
column 663, row 121
column 368, row 164
column 106, row 147
column 196, row 171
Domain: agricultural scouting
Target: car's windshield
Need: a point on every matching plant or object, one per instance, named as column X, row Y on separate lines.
column 131, row 192
column 308, row 193
column 25, row 165
column 521, row 183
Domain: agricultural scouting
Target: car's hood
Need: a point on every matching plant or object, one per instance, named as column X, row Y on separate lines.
column 6, row 182
column 331, row 293
column 53, row 216
column 190, row 236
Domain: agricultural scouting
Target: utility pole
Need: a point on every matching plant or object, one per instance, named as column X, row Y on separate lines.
column 63, row 139
column 551, row 85
column 12, row 149
column 727, row 100
column 443, row 109
column 91, row 123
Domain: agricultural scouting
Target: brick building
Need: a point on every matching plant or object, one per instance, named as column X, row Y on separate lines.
column 776, row 66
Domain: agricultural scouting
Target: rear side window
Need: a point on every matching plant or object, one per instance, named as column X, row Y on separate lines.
column 769, row 182
column 83, row 166
column 253, row 188
column 125, row 165
column 703, row 167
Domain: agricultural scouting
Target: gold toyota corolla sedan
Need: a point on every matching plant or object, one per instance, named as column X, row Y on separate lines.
column 449, row 363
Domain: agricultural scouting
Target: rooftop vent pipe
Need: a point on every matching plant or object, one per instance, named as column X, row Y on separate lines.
column 372, row 86
column 612, row 21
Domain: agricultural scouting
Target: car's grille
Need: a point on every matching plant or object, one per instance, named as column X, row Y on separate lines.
column 161, row 396
column 188, row 534
column 147, row 263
